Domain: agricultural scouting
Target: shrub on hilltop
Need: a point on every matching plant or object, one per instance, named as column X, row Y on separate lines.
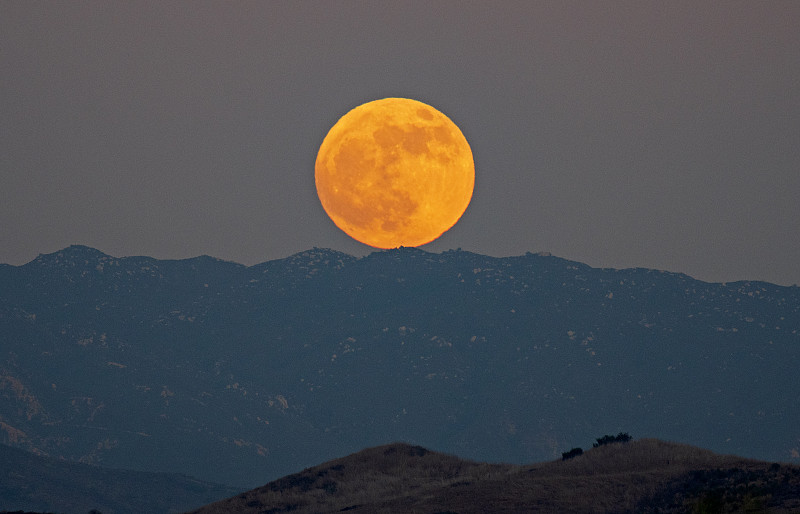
column 575, row 452
column 622, row 437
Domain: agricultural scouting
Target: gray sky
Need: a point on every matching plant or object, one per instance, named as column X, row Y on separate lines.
column 620, row 134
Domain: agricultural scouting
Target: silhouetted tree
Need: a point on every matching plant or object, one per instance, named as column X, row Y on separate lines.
column 571, row 454
column 622, row 437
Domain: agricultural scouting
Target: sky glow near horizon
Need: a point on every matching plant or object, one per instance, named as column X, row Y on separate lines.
column 619, row 134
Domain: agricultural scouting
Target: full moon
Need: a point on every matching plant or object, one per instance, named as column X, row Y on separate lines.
column 395, row 172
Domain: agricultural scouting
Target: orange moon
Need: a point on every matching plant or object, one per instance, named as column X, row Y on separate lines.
column 395, row 172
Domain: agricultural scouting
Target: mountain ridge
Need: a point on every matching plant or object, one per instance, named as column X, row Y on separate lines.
column 33, row 482
column 89, row 254
column 116, row 361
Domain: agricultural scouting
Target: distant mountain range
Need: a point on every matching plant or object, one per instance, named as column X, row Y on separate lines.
column 33, row 482
column 241, row 375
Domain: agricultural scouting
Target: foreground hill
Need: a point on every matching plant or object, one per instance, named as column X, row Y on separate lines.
column 31, row 482
column 645, row 476
column 241, row 375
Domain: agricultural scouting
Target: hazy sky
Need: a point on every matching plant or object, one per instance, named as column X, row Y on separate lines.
column 620, row 134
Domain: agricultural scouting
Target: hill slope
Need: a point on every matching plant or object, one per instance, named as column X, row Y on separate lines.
column 31, row 482
column 129, row 362
column 641, row 476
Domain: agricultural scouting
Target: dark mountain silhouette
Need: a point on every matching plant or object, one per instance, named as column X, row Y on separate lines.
column 647, row 476
column 32, row 482
column 241, row 375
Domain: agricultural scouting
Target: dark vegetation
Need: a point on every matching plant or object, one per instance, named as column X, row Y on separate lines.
column 610, row 439
column 644, row 476
column 606, row 439
column 575, row 452
column 33, row 483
